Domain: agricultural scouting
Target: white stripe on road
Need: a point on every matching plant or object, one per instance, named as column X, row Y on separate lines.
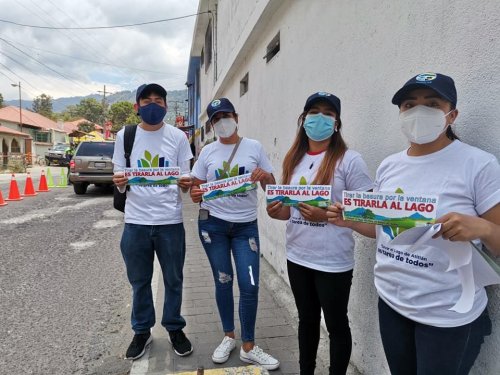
column 141, row 366
column 101, row 224
column 40, row 214
column 82, row 245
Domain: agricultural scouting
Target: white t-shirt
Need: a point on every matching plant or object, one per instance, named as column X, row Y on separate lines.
column 239, row 208
column 151, row 205
column 323, row 246
column 466, row 180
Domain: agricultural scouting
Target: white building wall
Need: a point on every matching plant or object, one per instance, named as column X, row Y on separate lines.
column 362, row 51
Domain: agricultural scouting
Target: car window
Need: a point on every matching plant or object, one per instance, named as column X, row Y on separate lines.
column 96, row 149
column 60, row 147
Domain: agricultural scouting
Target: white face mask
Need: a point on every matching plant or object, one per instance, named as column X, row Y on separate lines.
column 422, row 124
column 225, row 127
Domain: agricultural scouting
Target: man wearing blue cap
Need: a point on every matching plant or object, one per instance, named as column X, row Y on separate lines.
column 153, row 220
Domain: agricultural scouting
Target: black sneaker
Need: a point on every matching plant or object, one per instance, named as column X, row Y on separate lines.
column 137, row 347
column 182, row 346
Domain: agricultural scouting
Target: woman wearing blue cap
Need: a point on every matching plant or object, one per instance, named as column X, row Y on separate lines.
column 423, row 331
column 320, row 256
column 228, row 225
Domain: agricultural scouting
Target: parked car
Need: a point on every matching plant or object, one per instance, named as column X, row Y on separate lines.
column 91, row 164
column 57, row 154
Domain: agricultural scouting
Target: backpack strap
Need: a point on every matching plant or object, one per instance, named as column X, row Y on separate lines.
column 128, row 143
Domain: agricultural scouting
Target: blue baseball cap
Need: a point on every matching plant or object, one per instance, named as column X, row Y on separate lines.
column 219, row 105
column 441, row 84
column 322, row 96
column 147, row 88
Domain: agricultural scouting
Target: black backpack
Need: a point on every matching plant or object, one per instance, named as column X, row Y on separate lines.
column 128, row 142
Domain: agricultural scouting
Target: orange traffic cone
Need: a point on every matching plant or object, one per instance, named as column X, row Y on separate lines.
column 29, row 189
column 2, row 202
column 42, row 186
column 14, row 190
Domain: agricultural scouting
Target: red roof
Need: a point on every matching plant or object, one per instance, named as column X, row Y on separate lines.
column 4, row 129
column 11, row 114
column 70, row 126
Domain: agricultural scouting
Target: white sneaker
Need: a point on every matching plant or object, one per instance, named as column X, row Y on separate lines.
column 258, row 357
column 222, row 352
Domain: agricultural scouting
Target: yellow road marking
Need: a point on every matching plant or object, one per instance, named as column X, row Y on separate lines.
column 243, row 370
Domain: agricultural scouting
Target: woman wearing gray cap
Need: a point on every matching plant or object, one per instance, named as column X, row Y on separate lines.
column 424, row 328
column 320, row 256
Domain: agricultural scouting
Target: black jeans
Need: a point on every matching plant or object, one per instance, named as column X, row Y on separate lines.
column 413, row 348
column 315, row 291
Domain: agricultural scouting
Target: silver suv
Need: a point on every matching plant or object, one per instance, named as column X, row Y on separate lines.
column 91, row 164
column 57, row 154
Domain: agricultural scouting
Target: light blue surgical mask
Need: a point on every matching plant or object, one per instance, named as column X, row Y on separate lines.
column 319, row 127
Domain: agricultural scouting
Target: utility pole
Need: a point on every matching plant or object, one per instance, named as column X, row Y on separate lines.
column 104, row 104
column 20, row 106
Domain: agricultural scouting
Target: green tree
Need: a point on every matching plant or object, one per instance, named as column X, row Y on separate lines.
column 86, row 127
column 89, row 109
column 122, row 113
column 43, row 105
column 1, row 101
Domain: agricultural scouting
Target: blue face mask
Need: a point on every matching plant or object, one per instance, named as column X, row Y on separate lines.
column 152, row 114
column 319, row 127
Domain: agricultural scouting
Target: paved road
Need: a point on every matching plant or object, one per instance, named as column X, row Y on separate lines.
column 64, row 300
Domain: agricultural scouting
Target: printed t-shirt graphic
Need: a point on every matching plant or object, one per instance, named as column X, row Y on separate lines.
column 424, row 291
column 319, row 245
column 239, row 208
column 167, row 147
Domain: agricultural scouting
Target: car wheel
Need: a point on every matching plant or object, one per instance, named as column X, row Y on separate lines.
column 47, row 161
column 80, row 188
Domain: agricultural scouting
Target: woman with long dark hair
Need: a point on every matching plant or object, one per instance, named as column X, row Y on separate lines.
column 320, row 257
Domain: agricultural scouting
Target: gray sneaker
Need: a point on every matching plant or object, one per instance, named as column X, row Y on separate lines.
column 258, row 357
column 223, row 351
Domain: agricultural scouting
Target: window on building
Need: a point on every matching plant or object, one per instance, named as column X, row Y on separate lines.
column 244, row 85
column 202, row 57
column 41, row 136
column 15, row 148
column 273, row 48
column 208, row 45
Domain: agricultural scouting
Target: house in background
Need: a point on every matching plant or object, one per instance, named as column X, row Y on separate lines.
column 29, row 135
column 71, row 128
column 268, row 56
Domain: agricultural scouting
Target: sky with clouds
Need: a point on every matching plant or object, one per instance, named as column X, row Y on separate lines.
column 81, row 62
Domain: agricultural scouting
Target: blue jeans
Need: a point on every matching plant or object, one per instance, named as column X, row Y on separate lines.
column 413, row 348
column 219, row 238
column 138, row 245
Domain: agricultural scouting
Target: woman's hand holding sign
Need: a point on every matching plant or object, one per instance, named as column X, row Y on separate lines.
column 334, row 215
column 185, row 183
column 260, row 175
column 311, row 213
column 460, row 227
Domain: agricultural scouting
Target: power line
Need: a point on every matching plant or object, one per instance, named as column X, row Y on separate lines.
column 102, row 27
column 17, row 62
column 93, row 61
column 41, row 63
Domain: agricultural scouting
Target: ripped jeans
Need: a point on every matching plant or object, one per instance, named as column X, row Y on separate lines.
column 219, row 237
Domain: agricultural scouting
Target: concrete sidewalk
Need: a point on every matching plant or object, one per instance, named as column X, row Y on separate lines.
column 276, row 329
